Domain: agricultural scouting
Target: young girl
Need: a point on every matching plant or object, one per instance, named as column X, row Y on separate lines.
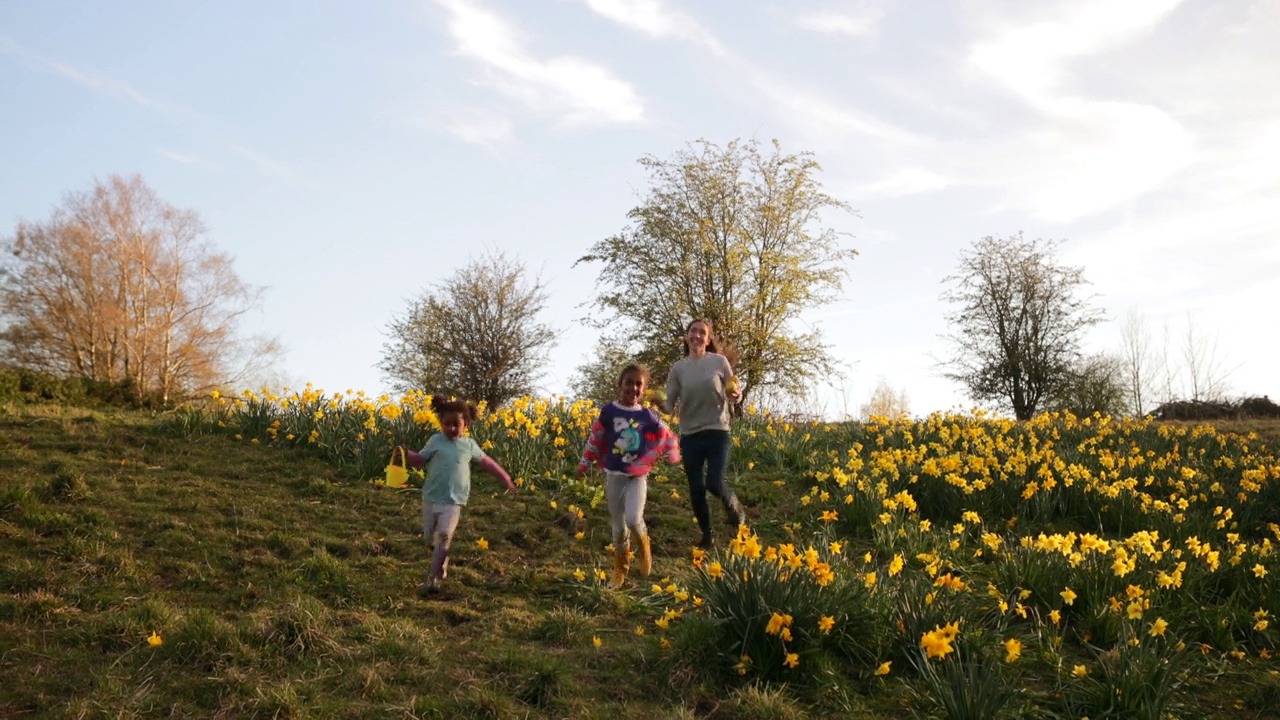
column 626, row 440
column 448, row 456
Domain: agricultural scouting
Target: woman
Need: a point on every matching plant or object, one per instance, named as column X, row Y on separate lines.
column 700, row 389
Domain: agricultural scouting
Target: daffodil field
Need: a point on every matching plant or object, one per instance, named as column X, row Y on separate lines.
column 1080, row 567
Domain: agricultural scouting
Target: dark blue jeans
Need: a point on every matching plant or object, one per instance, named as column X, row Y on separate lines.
column 707, row 449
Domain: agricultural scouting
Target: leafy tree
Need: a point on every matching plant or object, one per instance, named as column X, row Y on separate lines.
column 1016, row 337
column 1097, row 384
column 731, row 234
column 597, row 379
column 474, row 335
column 119, row 286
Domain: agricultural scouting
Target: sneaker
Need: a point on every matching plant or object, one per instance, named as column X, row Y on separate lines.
column 431, row 587
column 737, row 514
column 705, row 542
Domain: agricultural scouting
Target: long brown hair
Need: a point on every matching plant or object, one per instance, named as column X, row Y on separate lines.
column 715, row 343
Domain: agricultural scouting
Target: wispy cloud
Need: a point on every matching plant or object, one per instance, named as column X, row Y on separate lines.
column 655, row 19
column 178, row 157
column 576, row 91
column 273, row 168
column 907, row 181
column 82, row 76
column 481, row 127
column 822, row 116
column 858, row 23
column 1088, row 155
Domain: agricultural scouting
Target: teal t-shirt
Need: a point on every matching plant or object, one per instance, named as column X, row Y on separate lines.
column 449, row 469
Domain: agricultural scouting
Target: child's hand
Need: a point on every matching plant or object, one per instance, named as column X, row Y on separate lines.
column 582, row 472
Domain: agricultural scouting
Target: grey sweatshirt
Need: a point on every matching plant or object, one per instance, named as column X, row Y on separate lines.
column 695, row 390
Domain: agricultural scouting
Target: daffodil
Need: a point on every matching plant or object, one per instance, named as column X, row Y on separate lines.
column 1158, row 627
column 1012, row 649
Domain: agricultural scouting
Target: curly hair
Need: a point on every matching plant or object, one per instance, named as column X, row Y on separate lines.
column 636, row 369
column 441, row 405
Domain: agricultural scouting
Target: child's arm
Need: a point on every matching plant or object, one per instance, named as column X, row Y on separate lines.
column 596, row 447
column 413, row 459
column 658, row 442
column 492, row 467
column 670, row 444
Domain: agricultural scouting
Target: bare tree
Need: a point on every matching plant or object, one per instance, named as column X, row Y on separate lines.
column 118, row 285
column 1206, row 376
column 1136, row 356
column 474, row 335
column 885, row 402
column 1188, row 365
column 1017, row 333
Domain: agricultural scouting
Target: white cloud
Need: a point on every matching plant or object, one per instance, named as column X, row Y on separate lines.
column 1029, row 59
column 575, row 90
column 860, row 23
column 653, row 18
column 1102, row 154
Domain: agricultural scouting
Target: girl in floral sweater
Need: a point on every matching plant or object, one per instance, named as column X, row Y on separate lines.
column 626, row 440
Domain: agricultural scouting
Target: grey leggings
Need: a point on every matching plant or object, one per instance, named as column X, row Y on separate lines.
column 438, row 524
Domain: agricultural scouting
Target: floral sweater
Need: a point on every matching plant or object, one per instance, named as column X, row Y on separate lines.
column 628, row 440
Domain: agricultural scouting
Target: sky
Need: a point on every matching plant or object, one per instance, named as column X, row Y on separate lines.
column 349, row 156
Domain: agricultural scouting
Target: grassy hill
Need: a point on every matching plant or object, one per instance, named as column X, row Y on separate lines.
column 151, row 570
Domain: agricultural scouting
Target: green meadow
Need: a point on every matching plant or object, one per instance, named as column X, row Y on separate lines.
column 239, row 560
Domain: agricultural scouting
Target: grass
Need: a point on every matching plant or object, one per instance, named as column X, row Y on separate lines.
column 278, row 588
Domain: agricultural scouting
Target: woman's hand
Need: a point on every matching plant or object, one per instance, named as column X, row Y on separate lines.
column 732, row 387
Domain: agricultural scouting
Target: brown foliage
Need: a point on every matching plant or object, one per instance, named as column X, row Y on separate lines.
column 119, row 286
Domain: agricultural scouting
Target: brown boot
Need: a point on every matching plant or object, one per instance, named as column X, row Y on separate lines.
column 621, row 563
column 645, row 556
column 734, row 512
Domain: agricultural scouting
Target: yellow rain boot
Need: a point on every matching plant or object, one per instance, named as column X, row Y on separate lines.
column 621, row 563
column 645, row 556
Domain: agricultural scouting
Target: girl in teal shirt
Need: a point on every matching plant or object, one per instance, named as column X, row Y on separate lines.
column 448, row 456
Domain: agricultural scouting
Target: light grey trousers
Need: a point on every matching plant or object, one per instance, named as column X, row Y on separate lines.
column 626, row 495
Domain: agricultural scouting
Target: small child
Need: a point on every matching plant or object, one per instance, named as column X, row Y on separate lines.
column 626, row 440
column 448, row 456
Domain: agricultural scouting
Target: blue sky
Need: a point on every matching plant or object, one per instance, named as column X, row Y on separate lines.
column 348, row 155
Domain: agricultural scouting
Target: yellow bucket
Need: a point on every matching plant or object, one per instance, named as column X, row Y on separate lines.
column 397, row 475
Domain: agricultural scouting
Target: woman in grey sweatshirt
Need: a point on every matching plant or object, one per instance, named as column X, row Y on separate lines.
column 700, row 389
